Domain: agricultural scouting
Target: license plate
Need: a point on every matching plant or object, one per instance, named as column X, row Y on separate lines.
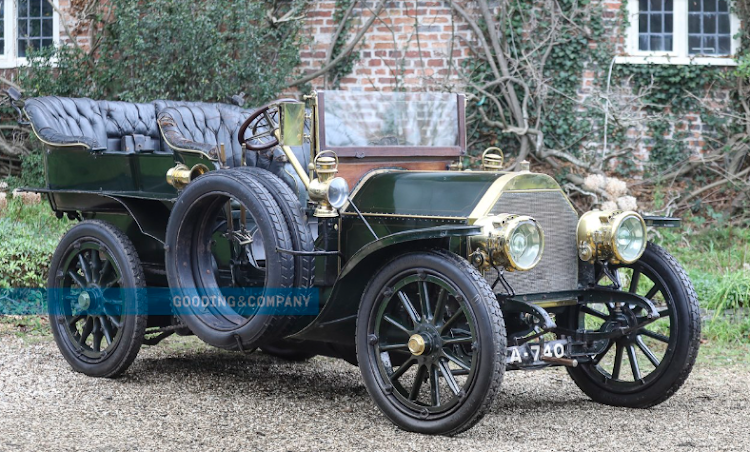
column 533, row 354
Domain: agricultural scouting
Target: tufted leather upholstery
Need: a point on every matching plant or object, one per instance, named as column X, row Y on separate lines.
column 203, row 126
column 100, row 125
column 68, row 121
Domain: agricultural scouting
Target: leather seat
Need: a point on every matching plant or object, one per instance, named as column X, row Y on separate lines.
column 169, row 125
column 64, row 120
column 203, row 127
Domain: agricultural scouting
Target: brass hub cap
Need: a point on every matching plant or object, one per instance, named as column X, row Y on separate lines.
column 417, row 344
column 84, row 300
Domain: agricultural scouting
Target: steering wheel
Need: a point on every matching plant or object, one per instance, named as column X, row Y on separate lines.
column 264, row 122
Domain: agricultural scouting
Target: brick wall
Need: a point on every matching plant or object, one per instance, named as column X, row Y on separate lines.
column 414, row 45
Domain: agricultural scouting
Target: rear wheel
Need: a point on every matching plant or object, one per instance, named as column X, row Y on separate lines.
column 431, row 343
column 223, row 238
column 96, row 302
column 646, row 367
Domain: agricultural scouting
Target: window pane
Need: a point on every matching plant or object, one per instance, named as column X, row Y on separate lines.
column 47, row 28
column 655, row 25
column 694, row 44
column 643, row 42
column 2, row 28
column 709, row 23
column 668, row 43
column 694, row 23
column 723, row 6
column 46, row 9
column 36, row 8
column 724, row 24
column 657, row 43
column 725, row 45
column 35, row 26
column 643, row 23
column 708, row 31
column 709, row 45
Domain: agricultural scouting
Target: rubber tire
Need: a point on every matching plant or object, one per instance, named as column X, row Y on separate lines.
column 124, row 253
column 302, row 240
column 280, row 271
column 492, row 347
column 686, row 348
column 288, row 351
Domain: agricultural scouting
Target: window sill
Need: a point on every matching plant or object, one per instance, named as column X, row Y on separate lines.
column 681, row 60
column 14, row 63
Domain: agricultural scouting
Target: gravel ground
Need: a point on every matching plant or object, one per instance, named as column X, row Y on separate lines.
column 183, row 395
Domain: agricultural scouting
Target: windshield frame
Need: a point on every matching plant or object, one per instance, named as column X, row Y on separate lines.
column 398, row 151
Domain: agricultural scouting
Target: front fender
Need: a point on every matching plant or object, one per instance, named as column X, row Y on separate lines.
column 337, row 319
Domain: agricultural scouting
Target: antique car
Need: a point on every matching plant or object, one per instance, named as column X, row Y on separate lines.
column 239, row 226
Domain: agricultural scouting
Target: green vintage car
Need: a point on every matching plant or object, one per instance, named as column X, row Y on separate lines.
column 239, row 226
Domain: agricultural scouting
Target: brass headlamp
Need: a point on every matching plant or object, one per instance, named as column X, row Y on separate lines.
column 611, row 235
column 514, row 242
column 329, row 191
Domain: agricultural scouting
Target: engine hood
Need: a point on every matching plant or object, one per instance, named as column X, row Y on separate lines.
column 457, row 194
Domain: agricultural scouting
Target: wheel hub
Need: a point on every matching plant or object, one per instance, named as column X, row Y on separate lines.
column 417, row 344
column 84, row 300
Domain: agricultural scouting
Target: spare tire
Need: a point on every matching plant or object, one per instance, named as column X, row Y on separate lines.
column 206, row 254
column 302, row 239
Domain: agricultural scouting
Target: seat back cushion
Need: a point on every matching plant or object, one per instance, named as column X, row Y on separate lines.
column 63, row 119
column 211, row 124
column 126, row 118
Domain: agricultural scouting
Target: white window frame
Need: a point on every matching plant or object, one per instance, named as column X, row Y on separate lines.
column 679, row 53
column 10, row 58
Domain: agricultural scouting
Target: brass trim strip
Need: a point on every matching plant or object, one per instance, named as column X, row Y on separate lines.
column 505, row 183
column 398, row 215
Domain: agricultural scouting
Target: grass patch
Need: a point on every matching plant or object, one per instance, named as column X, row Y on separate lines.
column 716, row 259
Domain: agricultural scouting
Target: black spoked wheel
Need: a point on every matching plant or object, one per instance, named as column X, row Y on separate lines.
column 431, row 343
column 96, row 305
column 222, row 259
column 646, row 367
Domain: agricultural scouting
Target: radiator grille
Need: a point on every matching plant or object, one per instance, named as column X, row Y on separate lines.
column 558, row 269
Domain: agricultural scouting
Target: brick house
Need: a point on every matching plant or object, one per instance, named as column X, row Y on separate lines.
column 418, row 45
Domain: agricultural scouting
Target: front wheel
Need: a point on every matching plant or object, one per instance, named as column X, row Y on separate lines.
column 646, row 367
column 431, row 343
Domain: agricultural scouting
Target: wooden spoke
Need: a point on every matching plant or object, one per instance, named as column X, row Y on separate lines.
column 410, row 310
column 647, row 351
column 634, row 367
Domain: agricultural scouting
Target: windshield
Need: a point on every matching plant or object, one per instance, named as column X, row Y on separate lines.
column 364, row 119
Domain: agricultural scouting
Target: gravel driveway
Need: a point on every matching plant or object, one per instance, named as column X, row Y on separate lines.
column 182, row 395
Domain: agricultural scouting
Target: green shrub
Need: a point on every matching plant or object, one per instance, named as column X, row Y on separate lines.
column 206, row 50
column 28, row 237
